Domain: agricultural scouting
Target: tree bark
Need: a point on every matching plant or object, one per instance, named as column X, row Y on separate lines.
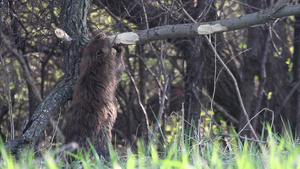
column 193, row 87
column 73, row 21
column 251, row 67
column 142, row 89
column 194, row 52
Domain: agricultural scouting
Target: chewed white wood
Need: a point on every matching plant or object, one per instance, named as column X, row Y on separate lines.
column 210, row 28
column 61, row 34
column 127, row 38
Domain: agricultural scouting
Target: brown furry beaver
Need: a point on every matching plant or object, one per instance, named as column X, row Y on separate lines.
column 93, row 109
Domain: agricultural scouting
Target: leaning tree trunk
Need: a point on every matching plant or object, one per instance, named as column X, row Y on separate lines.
column 73, row 21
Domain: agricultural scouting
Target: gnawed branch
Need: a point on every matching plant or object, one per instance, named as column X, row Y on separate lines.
column 61, row 34
column 203, row 28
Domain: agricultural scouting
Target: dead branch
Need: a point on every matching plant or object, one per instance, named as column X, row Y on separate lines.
column 204, row 28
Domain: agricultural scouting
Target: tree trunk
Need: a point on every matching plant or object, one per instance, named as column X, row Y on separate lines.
column 251, row 67
column 142, row 89
column 193, row 88
column 73, row 21
column 194, row 52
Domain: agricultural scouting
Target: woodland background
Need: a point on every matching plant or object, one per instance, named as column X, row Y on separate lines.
column 263, row 58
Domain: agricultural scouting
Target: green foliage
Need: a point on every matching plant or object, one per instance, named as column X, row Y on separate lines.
column 6, row 158
column 279, row 152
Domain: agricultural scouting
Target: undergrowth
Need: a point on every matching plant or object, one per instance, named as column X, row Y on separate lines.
column 230, row 152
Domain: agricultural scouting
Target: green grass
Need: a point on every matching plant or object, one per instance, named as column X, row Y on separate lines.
column 278, row 152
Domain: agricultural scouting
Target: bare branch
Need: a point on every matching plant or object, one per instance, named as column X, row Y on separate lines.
column 9, row 98
column 139, row 101
column 263, row 78
column 21, row 59
column 162, row 105
column 220, row 108
column 290, row 94
column 29, row 79
column 235, row 86
column 204, row 28
column 279, row 4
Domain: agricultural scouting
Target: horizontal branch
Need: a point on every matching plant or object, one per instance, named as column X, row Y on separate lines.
column 204, row 28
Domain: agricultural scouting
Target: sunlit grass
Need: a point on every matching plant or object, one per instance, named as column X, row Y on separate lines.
column 278, row 152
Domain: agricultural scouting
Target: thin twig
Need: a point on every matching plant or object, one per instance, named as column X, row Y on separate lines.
column 184, row 121
column 226, row 135
column 145, row 13
column 210, row 116
column 139, row 100
column 231, row 75
column 215, row 79
column 12, row 126
column 185, row 12
column 221, row 109
column 162, row 105
column 21, row 59
column 264, row 109
column 149, row 70
column 236, row 87
column 296, row 86
column 263, row 78
column 229, row 135
column 164, row 92
column 29, row 78
column 163, row 6
column 279, row 4
column 116, row 18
